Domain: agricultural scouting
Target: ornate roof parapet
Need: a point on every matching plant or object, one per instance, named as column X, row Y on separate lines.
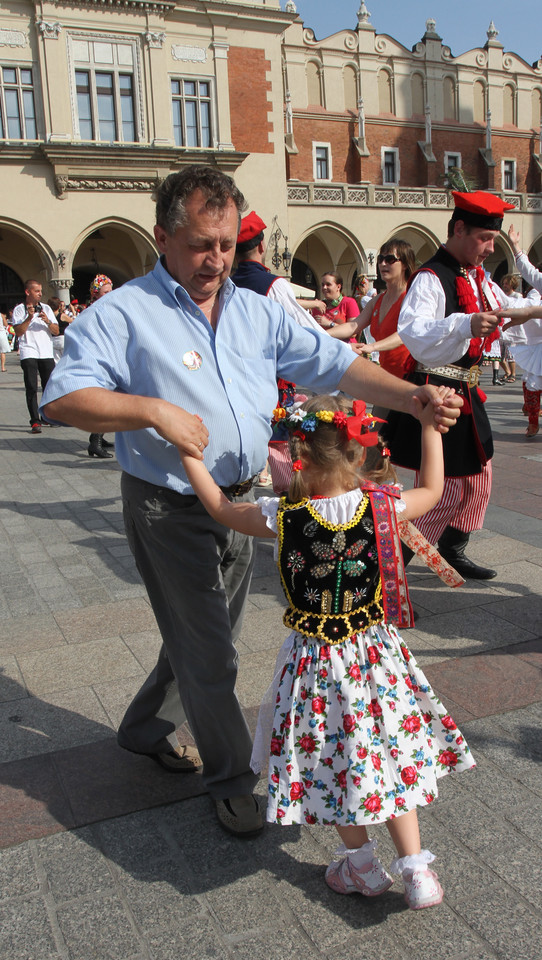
column 149, row 6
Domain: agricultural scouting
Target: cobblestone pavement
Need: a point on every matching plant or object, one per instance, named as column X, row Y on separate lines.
column 105, row 857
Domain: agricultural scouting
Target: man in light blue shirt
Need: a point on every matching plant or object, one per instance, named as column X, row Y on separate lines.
column 182, row 360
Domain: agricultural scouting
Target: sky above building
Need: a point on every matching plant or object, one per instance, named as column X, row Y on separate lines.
column 462, row 24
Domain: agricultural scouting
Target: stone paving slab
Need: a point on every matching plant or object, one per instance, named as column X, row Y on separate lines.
column 100, row 780
column 138, row 886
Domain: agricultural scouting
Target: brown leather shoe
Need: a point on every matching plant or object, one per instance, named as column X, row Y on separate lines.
column 185, row 759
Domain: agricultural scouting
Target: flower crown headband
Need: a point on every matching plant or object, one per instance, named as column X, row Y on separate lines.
column 357, row 424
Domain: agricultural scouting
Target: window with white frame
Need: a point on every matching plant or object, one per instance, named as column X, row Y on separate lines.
column 191, row 102
column 508, row 174
column 390, row 165
column 321, row 161
column 17, row 105
column 104, row 74
column 451, row 161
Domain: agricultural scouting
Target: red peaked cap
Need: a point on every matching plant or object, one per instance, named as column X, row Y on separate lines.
column 480, row 209
column 251, row 226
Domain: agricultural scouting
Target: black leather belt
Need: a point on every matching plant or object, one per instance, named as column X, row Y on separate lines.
column 238, row 489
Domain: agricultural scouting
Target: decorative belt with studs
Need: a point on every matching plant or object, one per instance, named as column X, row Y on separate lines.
column 470, row 376
column 238, row 489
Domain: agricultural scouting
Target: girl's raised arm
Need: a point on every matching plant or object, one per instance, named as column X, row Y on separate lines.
column 429, row 492
column 244, row 517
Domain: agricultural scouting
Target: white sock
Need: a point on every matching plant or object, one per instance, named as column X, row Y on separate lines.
column 414, row 861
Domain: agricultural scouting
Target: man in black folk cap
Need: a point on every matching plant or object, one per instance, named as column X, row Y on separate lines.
column 445, row 324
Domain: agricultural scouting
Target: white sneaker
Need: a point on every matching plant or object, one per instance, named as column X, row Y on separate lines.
column 358, row 871
column 422, row 887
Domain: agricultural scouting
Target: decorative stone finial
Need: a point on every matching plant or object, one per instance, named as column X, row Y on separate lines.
column 431, row 30
column 492, row 32
column 290, row 7
column 363, row 14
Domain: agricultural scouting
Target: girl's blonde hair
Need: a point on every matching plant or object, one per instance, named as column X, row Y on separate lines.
column 335, row 456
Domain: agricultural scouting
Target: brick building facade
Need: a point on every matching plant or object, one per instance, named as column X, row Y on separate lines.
column 372, row 129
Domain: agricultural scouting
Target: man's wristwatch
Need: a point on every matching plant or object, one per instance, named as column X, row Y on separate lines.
column 332, row 324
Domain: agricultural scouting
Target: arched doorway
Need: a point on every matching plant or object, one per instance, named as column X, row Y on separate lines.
column 23, row 255
column 422, row 241
column 120, row 250
column 302, row 274
column 11, row 288
column 326, row 247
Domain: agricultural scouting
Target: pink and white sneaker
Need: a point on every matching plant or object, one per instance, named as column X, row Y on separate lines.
column 422, row 887
column 358, row 871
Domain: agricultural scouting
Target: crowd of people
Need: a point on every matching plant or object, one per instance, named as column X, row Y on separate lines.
column 183, row 365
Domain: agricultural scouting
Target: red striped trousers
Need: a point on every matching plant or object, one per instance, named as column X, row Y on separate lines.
column 463, row 505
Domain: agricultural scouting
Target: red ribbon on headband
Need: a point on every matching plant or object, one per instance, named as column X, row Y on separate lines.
column 358, row 426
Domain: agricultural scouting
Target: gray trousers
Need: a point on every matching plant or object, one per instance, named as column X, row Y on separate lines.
column 197, row 574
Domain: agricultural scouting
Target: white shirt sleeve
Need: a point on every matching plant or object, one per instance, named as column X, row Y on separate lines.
column 18, row 315
column 430, row 337
column 529, row 272
column 282, row 292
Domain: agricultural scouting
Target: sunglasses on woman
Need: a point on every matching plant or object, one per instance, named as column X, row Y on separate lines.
column 387, row 258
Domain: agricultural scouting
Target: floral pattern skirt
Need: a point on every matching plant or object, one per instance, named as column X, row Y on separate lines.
column 358, row 736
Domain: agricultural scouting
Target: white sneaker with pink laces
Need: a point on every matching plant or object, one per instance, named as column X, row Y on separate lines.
column 422, row 888
column 358, row 871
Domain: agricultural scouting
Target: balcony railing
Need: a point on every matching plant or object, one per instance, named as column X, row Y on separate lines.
column 368, row 195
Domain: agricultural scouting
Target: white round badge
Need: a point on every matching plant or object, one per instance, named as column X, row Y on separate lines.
column 192, row 360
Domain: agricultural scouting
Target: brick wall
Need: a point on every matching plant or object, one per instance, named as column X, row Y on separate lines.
column 345, row 161
column 414, row 172
column 249, row 106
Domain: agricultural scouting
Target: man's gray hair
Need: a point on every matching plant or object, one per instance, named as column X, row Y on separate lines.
column 171, row 196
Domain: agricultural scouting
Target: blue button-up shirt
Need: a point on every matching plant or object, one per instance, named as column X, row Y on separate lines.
column 149, row 338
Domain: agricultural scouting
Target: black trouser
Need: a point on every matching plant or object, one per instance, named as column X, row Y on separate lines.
column 31, row 367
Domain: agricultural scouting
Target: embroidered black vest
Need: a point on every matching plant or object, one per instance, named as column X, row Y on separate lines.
column 469, row 443
column 330, row 573
column 447, row 268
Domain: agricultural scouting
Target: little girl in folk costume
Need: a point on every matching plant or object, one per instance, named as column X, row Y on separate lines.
column 357, row 736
